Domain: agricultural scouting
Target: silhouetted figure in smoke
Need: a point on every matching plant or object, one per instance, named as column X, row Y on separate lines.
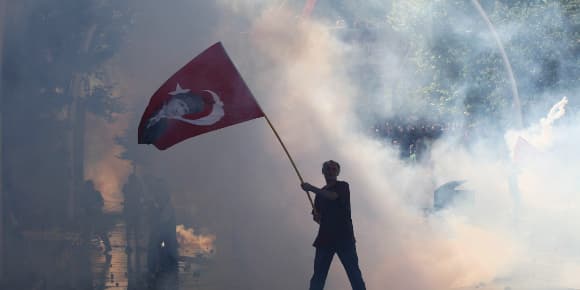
column 162, row 257
column 92, row 204
column 336, row 234
column 134, row 215
column 412, row 153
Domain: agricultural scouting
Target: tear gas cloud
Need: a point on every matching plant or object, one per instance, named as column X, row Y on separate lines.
column 104, row 167
column 237, row 183
column 191, row 244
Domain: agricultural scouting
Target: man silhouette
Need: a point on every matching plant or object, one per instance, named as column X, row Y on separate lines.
column 335, row 234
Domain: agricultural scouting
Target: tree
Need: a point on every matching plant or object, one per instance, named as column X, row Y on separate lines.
column 71, row 41
column 2, row 212
column 55, row 56
column 460, row 68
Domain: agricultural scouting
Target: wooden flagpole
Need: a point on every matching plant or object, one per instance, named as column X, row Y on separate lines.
column 289, row 157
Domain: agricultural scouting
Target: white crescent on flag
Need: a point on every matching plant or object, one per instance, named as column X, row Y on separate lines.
column 217, row 113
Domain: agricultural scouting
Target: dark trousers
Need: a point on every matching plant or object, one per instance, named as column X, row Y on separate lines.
column 349, row 259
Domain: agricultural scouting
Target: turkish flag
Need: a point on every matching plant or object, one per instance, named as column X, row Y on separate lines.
column 206, row 94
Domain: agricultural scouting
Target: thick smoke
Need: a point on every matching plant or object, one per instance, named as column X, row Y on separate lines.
column 191, row 244
column 514, row 224
column 539, row 135
column 103, row 165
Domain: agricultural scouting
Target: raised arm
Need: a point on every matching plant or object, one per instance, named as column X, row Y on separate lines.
column 318, row 191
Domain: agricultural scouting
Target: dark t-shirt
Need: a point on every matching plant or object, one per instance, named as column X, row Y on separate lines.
column 335, row 221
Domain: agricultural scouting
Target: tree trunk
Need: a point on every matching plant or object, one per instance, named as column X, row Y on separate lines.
column 77, row 117
column 2, row 213
column 78, row 111
column 75, row 90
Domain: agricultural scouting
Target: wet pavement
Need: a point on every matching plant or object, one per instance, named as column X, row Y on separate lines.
column 125, row 265
column 110, row 269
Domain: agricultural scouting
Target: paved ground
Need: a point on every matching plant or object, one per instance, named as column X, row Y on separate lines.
column 114, row 271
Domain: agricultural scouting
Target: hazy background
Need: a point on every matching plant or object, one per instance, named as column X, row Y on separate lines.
column 325, row 86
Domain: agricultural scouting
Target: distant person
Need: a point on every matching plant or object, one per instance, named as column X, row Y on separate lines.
column 92, row 200
column 412, row 153
column 162, row 256
column 335, row 234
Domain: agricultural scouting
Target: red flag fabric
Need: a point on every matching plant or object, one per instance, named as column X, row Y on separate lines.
column 206, row 94
column 308, row 7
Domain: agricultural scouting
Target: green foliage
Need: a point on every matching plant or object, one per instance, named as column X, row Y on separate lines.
column 458, row 63
column 56, row 53
column 52, row 41
column 101, row 98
